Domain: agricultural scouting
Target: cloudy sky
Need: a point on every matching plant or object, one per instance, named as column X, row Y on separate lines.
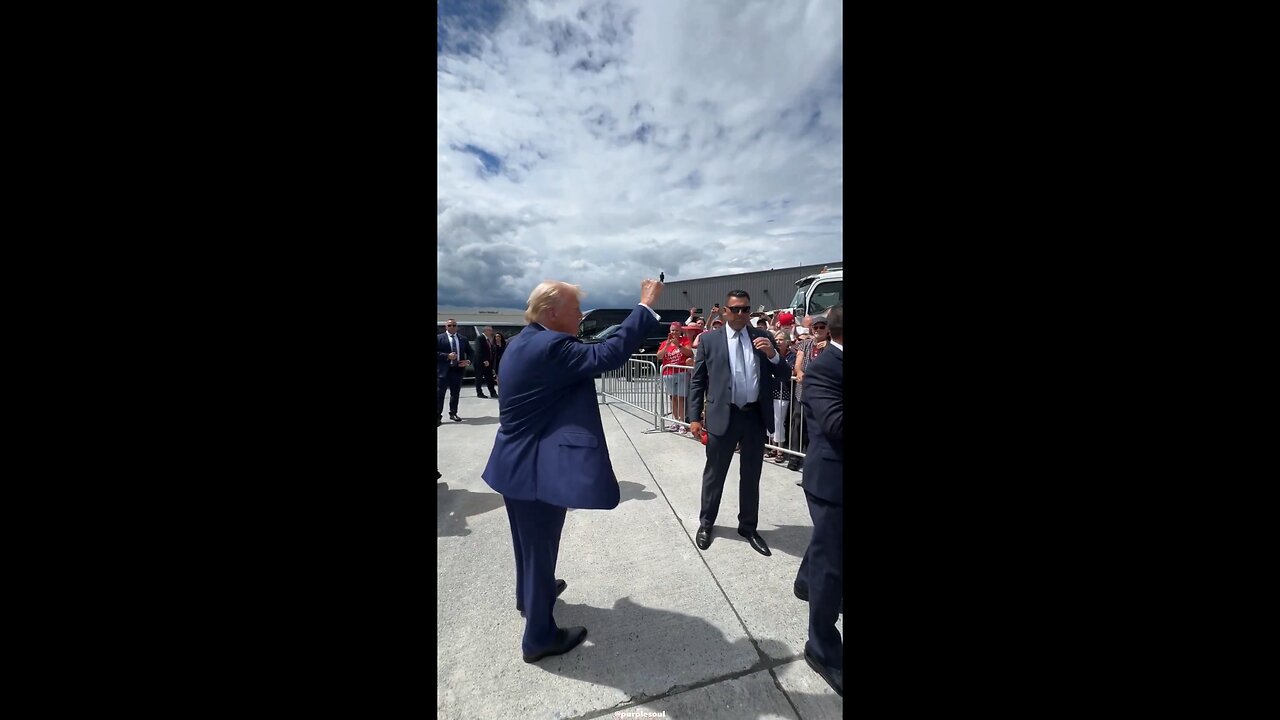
column 602, row 141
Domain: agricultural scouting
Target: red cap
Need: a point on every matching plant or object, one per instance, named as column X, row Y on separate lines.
column 786, row 319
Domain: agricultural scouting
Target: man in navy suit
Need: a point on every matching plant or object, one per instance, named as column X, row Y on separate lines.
column 484, row 371
column 453, row 353
column 734, row 369
column 821, row 576
column 550, row 452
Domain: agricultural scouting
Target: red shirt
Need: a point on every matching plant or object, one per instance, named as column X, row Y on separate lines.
column 671, row 355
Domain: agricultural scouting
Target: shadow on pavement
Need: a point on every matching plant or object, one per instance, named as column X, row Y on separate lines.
column 634, row 491
column 647, row 651
column 453, row 507
column 485, row 420
column 790, row 539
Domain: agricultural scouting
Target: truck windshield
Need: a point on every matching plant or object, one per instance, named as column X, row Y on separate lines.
column 825, row 295
column 798, row 300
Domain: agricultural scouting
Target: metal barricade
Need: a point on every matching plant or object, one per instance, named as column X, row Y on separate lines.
column 788, row 419
column 636, row 384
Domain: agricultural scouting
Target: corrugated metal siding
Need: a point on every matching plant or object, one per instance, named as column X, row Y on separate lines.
column 492, row 317
column 771, row 288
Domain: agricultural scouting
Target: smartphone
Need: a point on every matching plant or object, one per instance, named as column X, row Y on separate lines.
column 697, row 311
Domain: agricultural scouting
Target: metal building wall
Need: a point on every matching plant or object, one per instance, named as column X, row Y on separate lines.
column 771, row 288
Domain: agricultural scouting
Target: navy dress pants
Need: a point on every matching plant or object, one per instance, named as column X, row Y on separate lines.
column 822, row 575
column 747, row 430
column 451, row 383
column 535, row 535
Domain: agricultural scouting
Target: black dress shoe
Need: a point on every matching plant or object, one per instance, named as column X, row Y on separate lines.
column 834, row 678
column 454, row 418
column 486, row 397
column 757, row 543
column 803, row 594
column 703, row 538
column 560, row 586
column 439, row 421
column 566, row 640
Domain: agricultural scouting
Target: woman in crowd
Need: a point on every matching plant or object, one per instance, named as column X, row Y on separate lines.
column 807, row 351
column 499, row 345
column 676, row 350
column 781, row 400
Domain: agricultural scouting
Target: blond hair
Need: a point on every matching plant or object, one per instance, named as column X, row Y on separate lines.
column 547, row 295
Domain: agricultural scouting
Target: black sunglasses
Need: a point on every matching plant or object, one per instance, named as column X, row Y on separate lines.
column 451, row 324
column 738, row 308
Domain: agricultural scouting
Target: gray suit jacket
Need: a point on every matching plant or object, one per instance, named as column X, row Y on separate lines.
column 712, row 378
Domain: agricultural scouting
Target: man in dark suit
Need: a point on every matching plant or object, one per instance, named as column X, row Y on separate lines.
column 453, row 353
column 821, row 576
column 550, row 452
column 484, row 371
column 734, row 369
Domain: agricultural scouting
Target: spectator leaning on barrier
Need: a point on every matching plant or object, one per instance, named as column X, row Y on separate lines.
column 676, row 350
column 781, row 399
column 807, row 351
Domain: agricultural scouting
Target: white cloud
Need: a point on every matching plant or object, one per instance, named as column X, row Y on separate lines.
column 697, row 138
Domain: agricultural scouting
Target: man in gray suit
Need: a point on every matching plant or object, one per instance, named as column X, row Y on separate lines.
column 734, row 369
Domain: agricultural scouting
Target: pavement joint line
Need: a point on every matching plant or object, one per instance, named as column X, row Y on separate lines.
column 764, row 659
column 635, row 701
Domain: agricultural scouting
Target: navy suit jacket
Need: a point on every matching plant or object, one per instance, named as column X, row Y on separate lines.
column 550, row 444
column 823, row 401
column 713, row 377
column 442, row 353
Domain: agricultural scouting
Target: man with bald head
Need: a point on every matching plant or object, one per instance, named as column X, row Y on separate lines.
column 550, row 453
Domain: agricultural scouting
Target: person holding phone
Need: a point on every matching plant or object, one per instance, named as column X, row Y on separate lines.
column 676, row 350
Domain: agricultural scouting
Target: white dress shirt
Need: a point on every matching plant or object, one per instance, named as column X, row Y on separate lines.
column 751, row 371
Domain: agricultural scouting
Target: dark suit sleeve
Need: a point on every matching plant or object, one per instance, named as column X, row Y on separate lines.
column 580, row 360
column 824, row 395
column 697, row 385
column 442, row 354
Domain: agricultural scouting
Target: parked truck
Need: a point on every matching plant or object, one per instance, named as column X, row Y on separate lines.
column 816, row 293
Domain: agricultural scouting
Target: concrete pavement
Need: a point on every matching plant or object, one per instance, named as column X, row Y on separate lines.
column 671, row 629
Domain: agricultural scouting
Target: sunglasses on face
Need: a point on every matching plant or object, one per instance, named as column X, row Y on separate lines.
column 451, row 325
column 738, row 308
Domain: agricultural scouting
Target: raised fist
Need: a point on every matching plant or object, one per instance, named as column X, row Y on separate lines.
column 650, row 291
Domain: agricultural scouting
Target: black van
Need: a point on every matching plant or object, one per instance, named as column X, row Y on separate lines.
column 596, row 321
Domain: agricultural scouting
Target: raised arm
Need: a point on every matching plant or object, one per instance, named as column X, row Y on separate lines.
column 581, row 360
